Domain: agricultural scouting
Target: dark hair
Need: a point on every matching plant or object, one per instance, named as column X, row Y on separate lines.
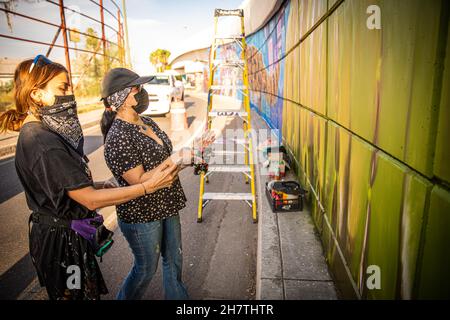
column 106, row 122
column 24, row 83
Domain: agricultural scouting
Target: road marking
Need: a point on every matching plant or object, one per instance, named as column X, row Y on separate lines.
column 91, row 128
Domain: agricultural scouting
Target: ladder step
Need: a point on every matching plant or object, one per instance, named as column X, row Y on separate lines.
column 225, row 12
column 219, row 87
column 227, row 152
column 227, row 196
column 227, row 113
column 228, row 63
column 229, row 168
column 230, row 37
column 231, row 141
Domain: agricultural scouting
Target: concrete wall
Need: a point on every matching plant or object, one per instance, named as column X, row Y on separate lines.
column 365, row 113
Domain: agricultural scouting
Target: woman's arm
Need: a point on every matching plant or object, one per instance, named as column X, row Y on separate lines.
column 94, row 199
column 181, row 159
column 107, row 184
column 138, row 175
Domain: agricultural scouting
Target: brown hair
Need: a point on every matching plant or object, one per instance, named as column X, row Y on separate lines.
column 24, row 83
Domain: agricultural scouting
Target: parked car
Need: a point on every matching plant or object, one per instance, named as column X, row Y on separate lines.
column 162, row 90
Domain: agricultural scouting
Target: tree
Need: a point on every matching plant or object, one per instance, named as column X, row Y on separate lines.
column 93, row 44
column 91, row 67
column 159, row 58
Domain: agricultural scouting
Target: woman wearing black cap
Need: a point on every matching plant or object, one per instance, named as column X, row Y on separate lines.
column 59, row 190
column 134, row 147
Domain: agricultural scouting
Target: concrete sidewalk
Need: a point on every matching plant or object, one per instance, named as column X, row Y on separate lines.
column 290, row 259
column 8, row 140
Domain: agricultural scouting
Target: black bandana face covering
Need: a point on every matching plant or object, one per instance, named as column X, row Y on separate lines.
column 62, row 118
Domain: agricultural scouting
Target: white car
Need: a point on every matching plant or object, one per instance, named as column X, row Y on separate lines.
column 163, row 90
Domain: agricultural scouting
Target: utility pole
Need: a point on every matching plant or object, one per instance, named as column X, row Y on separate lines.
column 105, row 58
column 120, row 41
column 126, row 33
column 66, row 42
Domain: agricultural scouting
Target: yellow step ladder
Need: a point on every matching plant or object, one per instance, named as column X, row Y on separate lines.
column 248, row 168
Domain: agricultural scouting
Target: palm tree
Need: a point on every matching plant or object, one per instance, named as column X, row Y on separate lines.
column 159, row 58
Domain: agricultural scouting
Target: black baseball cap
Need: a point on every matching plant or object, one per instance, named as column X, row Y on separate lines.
column 120, row 78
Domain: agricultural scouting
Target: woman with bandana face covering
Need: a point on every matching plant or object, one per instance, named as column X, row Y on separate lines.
column 58, row 186
column 134, row 147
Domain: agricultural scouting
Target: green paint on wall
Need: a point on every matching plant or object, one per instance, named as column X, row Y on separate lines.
column 358, row 193
column 384, row 226
column 434, row 282
column 381, row 81
column 414, row 202
column 442, row 156
column 366, row 146
column 409, row 44
column 313, row 71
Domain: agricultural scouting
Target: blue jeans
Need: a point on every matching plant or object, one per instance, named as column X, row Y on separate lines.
column 147, row 241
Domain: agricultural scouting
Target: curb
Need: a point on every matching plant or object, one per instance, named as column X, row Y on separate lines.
column 8, row 150
column 263, row 211
column 260, row 209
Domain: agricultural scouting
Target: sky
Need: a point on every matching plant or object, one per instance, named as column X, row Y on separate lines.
column 167, row 24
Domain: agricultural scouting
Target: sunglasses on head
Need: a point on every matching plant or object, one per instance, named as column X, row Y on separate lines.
column 39, row 60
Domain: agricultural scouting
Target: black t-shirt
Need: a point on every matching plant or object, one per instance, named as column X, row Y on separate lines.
column 126, row 148
column 47, row 169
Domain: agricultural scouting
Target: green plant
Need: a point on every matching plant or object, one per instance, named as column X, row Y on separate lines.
column 159, row 58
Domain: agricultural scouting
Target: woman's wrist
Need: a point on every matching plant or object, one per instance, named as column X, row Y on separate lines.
column 147, row 189
column 144, row 189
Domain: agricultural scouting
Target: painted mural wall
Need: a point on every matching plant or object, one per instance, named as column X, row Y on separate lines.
column 365, row 113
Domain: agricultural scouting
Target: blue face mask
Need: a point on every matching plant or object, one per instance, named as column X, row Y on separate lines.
column 62, row 118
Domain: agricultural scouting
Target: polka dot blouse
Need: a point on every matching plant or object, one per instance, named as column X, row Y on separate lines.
column 126, row 147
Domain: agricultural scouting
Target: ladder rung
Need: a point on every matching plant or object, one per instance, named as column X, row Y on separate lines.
column 229, row 168
column 231, row 141
column 227, row 113
column 219, row 87
column 227, row 152
column 228, row 62
column 230, row 37
column 225, row 12
column 227, row 196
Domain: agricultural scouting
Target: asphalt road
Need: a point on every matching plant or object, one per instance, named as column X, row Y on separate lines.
column 219, row 254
